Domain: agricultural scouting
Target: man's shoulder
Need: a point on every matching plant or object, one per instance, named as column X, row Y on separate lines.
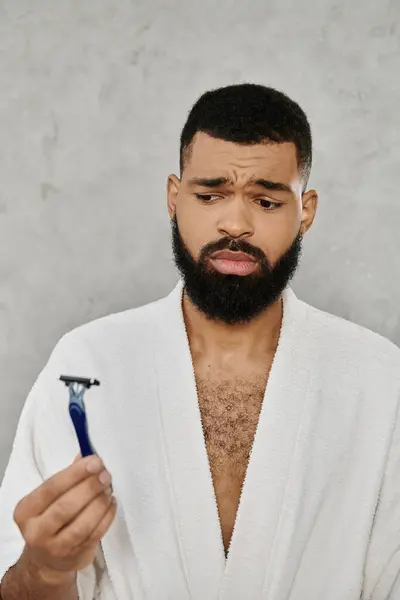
column 134, row 323
column 351, row 339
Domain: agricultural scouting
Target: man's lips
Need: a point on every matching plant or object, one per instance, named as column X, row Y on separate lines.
column 233, row 263
column 230, row 255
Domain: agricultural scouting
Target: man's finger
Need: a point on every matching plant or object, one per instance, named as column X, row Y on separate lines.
column 67, row 508
column 102, row 527
column 42, row 497
column 85, row 524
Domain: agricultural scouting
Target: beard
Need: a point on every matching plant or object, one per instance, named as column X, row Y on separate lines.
column 233, row 299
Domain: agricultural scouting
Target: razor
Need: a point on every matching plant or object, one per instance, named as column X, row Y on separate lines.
column 77, row 387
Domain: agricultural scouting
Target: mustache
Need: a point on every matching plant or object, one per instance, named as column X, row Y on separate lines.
column 227, row 243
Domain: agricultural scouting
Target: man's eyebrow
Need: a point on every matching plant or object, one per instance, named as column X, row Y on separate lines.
column 209, row 182
column 215, row 182
column 272, row 185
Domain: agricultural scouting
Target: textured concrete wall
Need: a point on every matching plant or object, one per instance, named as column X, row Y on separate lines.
column 92, row 99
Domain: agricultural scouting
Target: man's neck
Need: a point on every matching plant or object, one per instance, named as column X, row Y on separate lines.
column 259, row 337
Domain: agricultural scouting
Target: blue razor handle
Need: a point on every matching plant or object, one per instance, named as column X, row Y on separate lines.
column 79, row 420
column 77, row 387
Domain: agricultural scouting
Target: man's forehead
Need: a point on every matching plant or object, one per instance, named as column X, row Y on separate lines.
column 207, row 148
column 215, row 157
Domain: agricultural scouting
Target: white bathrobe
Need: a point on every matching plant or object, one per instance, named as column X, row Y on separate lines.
column 319, row 516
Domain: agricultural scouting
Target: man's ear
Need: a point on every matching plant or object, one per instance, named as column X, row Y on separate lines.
column 173, row 186
column 310, row 204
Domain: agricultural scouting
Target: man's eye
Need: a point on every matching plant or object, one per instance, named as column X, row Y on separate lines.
column 268, row 204
column 206, row 197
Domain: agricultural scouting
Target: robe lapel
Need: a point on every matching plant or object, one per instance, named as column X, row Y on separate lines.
column 193, row 493
column 262, row 507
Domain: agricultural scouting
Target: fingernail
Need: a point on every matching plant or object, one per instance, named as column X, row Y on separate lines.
column 105, row 477
column 94, row 465
column 108, row 491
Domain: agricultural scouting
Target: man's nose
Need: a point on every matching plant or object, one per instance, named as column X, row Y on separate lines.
column 235, row 220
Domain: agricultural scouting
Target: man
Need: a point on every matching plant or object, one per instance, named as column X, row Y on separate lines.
column 253, row 441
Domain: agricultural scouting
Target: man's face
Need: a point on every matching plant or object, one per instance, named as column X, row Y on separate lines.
column 238, row 216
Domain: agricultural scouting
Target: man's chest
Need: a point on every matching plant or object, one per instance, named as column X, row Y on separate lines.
column 230, row 412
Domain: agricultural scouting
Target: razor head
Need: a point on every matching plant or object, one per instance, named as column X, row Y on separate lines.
column 87, row 383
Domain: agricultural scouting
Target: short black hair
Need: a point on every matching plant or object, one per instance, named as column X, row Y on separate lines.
column 248, row 113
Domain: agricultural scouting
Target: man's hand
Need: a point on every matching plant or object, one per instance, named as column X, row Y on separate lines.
column 64, row 519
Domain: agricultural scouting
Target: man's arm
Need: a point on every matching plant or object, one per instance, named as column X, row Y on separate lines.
column 23, row 582
column 382, row 569
column 24, row 474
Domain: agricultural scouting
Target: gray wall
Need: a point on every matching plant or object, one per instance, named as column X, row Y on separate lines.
column 92, row 99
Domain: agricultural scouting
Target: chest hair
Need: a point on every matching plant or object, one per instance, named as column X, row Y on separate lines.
column 230, row 411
